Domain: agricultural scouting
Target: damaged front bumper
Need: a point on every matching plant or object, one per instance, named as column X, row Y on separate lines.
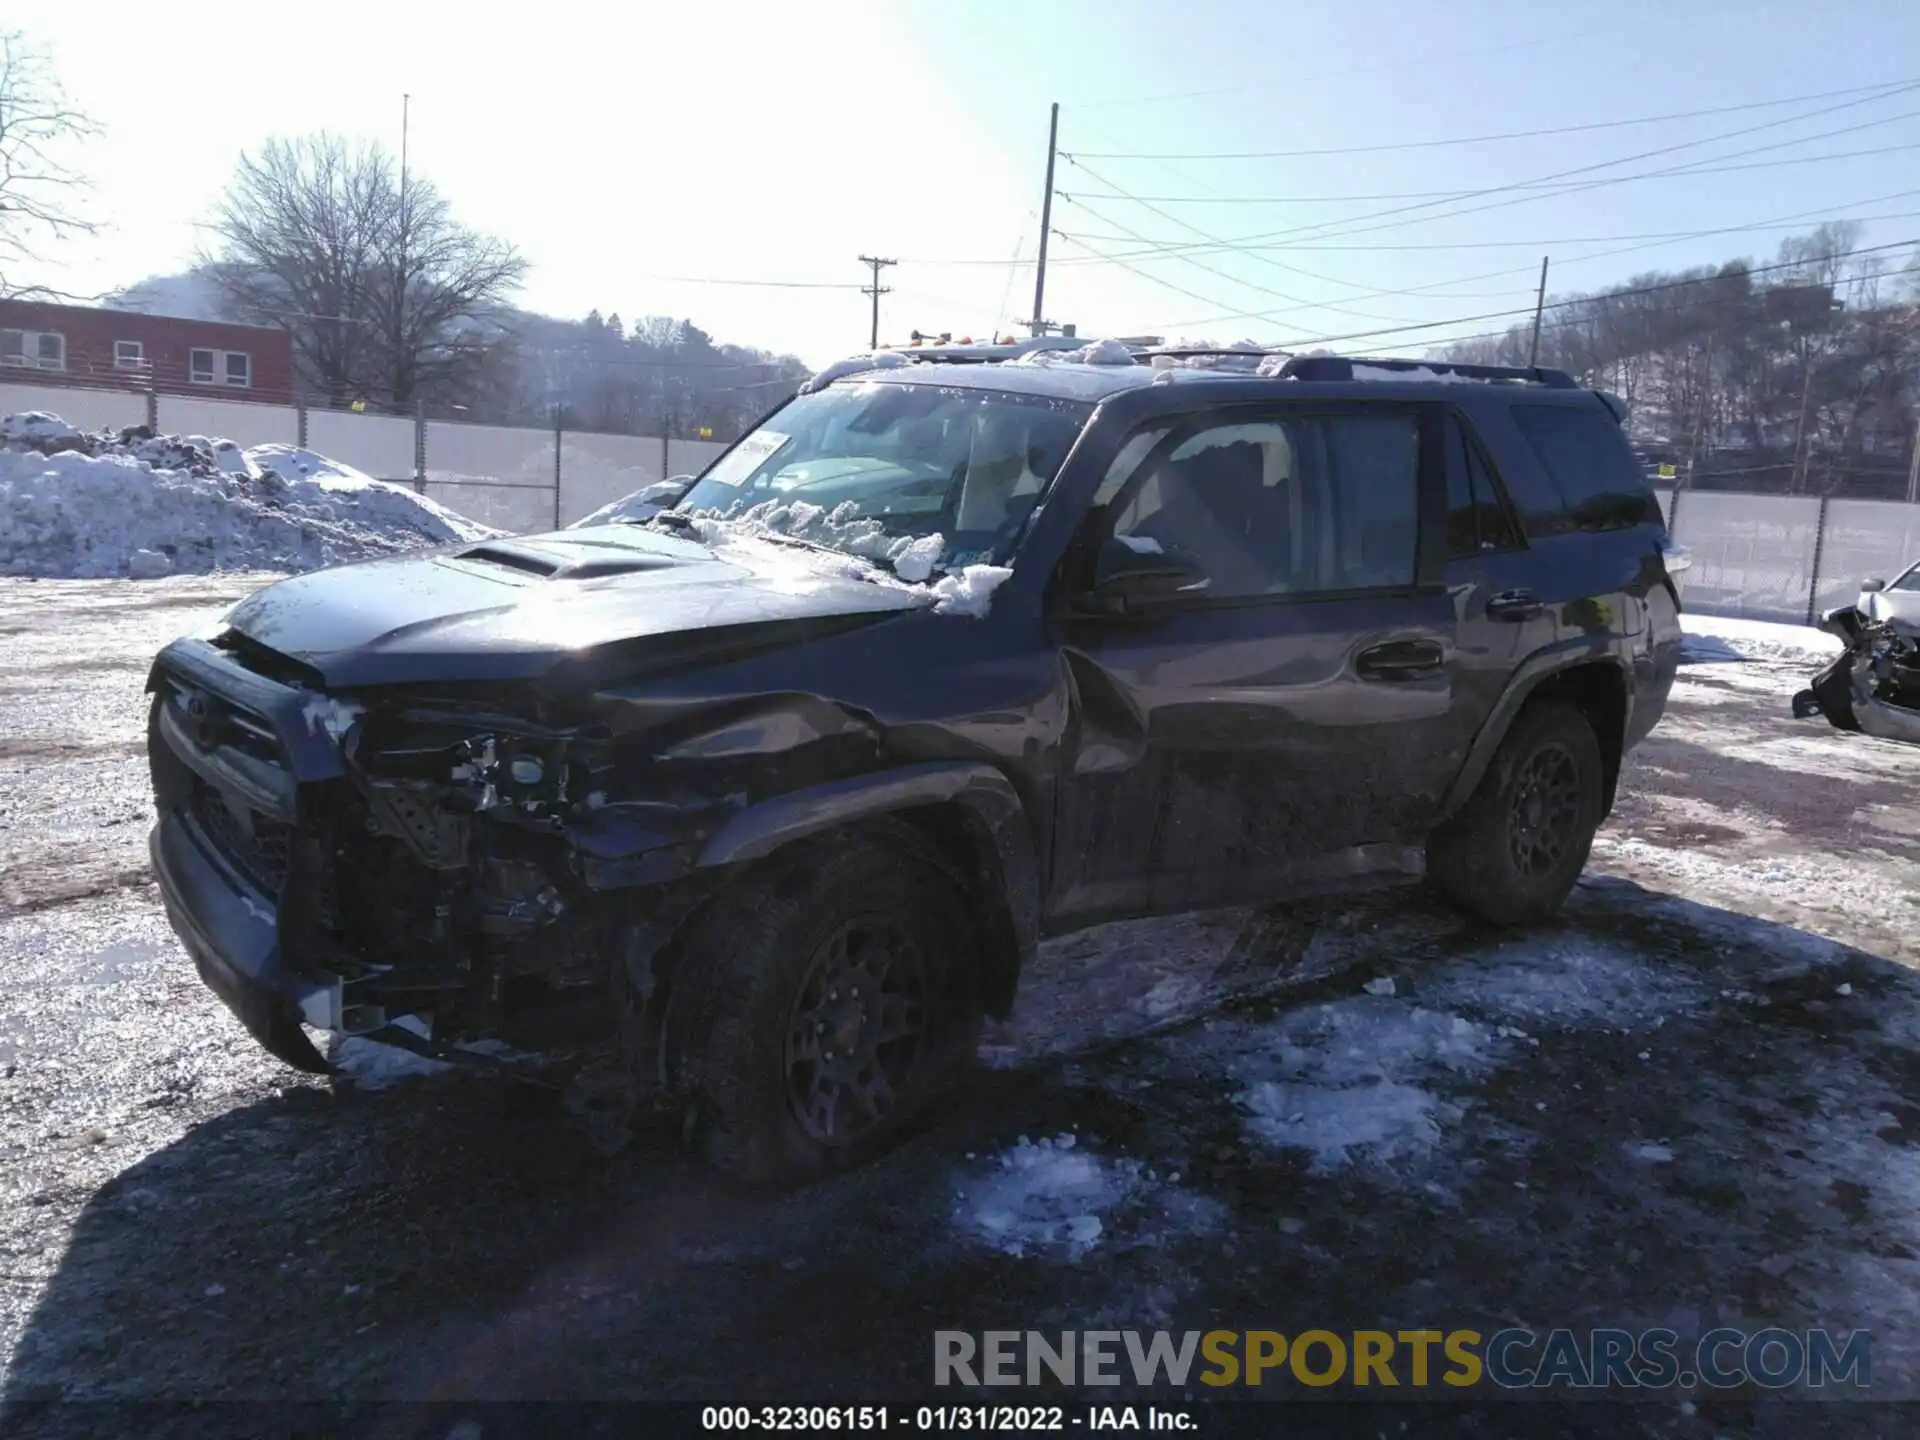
column 311, row 892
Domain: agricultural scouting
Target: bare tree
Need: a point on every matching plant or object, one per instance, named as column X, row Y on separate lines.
column 387, row 296
column 40, row 197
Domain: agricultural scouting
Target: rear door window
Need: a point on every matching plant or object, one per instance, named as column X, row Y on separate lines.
column 1285, row 503
column 1478, row 520
column 1585, row 454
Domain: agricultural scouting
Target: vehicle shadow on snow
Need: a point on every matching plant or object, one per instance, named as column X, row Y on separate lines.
column 1652, row 1113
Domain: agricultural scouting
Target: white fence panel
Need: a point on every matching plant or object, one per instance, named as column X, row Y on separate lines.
column 596, row 470
column 468, row 467
column 377, row 445
column 1752, row 554
column 89, row 409
column 234, row 420
column 1865, row 538
column 690, row 457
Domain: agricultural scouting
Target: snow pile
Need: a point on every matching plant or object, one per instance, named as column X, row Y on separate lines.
column 1050, row 1199
column 1720, row 637
column 1097, row 352
column 84, row 506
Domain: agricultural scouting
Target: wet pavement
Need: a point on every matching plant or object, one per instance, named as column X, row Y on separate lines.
column 1690, row 1103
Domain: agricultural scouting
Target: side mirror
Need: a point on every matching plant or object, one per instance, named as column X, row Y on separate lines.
column 1872, row 586
column 1133, row 572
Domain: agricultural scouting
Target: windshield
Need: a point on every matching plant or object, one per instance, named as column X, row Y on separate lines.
column 943, row 476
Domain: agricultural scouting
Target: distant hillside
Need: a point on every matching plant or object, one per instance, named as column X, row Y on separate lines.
column 188, row 296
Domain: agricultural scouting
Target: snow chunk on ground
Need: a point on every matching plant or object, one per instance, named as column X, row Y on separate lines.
column 1573, row 983
column 1719, row 637
column 1052, row 1200
column 1351, row 1079
column 107, row 505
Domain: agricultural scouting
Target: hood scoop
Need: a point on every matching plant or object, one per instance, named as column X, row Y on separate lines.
column 532, row 560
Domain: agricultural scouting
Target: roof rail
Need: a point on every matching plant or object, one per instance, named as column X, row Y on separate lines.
column 1341, row 367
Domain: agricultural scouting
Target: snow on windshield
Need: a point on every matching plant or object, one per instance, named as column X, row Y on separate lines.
column 914, row 560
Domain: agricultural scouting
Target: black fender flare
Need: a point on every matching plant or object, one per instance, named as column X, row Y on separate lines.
column 1534, row 671
column 987, row 800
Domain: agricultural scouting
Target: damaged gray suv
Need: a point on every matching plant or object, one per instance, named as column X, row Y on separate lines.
column 772, row 794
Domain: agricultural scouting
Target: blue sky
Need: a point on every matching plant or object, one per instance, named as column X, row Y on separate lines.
column 777, row 142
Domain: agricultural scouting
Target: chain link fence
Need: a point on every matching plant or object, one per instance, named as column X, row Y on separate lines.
column 515, row 478
column 1786, row 557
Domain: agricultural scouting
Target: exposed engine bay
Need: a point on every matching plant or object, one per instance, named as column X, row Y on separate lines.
column 1874, row 685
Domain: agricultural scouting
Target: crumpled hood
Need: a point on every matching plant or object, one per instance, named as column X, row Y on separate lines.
column 515, row 609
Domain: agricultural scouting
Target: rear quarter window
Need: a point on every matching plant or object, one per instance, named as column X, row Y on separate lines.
column 1596, row 483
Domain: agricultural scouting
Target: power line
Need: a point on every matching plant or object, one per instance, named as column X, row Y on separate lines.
column 772, row 284
column 1888, row 85
column 1696, row 282
column 1173, row 248
column 1295, row 300
column 1293, row 82
column 1262, row 259
column 1331, row 229
column 1676, row 172
column 1779, row 222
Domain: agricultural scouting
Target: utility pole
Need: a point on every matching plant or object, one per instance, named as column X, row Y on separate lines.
column 876, row 290
column 1913, row 470
column 1539, row 306
column 1038, row 325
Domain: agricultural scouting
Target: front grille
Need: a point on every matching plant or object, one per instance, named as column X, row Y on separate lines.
column 263, row 857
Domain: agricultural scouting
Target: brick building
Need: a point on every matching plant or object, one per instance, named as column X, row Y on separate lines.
column 86, row 345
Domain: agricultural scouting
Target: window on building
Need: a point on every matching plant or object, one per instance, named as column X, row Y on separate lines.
column 37, row 349
column 220, row 367
column 129, row 355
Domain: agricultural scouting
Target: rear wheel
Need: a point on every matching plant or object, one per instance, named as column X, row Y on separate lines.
column 1515, row 850
column 823, row 1008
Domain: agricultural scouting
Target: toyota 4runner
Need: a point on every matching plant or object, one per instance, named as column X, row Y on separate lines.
column 778, row 789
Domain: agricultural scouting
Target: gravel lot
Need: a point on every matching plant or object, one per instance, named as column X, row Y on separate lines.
column 1691, row 1103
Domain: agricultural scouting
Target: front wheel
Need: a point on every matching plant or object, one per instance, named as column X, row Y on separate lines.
column 823, row 1008
column 1514, row 851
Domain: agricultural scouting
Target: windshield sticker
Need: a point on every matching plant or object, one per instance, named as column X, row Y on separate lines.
column 746, row 457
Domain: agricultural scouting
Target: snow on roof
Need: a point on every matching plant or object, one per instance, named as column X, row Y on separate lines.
column 1420, row 373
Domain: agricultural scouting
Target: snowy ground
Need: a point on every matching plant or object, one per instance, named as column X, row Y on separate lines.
column 1691, row 1102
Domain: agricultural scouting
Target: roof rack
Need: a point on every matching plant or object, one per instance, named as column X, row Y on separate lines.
column 1341, row 367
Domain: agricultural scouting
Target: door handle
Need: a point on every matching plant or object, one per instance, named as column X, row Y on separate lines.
column 1513, row 605
column 1400, row 660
